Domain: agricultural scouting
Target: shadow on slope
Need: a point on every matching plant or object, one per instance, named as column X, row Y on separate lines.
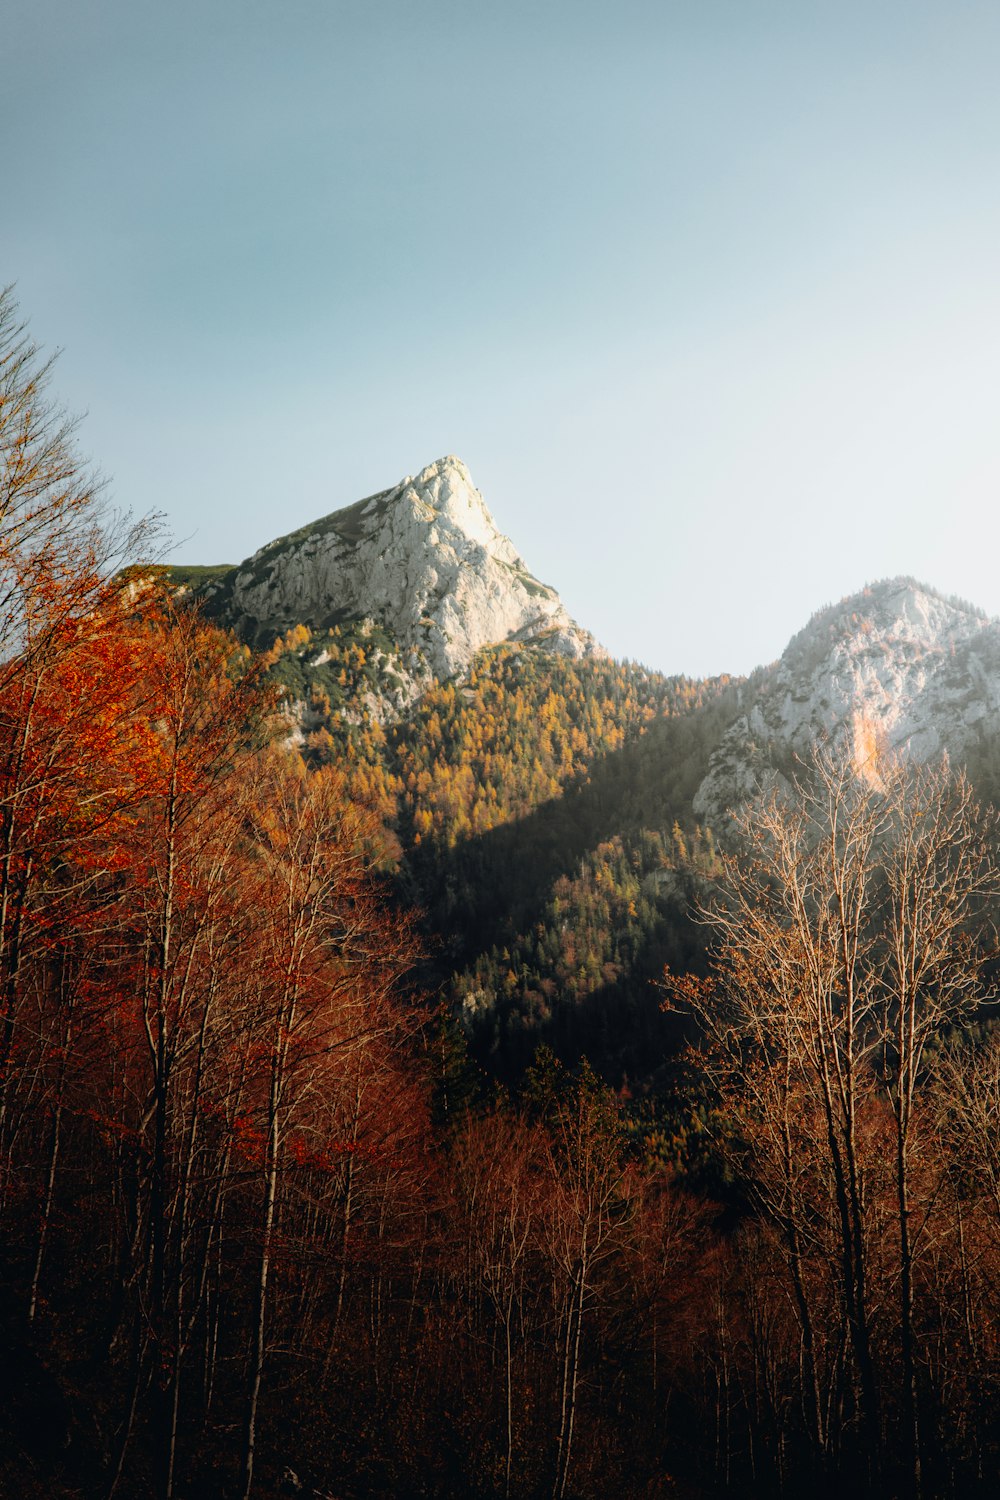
column 490, row 902
column 486, row 888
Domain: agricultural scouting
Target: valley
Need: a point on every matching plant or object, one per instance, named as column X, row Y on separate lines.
column 438, row 1059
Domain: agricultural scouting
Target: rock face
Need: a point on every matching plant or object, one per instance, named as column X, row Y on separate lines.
column 424, row 559
column 895, row 665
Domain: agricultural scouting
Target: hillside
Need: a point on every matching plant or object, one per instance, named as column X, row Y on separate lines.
column 553, row 812
column 540, row 811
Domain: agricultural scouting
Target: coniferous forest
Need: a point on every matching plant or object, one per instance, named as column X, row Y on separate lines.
column 437, row 1109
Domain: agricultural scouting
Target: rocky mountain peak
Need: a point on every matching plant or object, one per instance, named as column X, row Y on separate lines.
column 898, row 610
column 447, row 488
column 424, row 559
column 897, row 664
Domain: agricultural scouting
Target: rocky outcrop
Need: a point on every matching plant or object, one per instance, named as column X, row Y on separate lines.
column 897, row 665
column 424, row 559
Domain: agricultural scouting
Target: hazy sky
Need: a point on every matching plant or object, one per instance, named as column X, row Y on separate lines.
column 706, row 295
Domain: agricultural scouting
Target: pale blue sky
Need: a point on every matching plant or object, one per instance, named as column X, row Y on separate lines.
column 706, row 295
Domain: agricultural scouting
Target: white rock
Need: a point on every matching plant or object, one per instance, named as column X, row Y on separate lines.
column 426, row 559
column 897, row 664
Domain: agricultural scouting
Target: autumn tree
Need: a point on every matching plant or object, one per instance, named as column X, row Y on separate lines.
column 199, row 725
column 332, row 957
column 497, row 1172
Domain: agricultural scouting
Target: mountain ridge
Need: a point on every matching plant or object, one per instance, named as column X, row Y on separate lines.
column 416, row 579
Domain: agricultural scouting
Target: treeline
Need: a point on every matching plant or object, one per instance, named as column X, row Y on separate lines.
column 472, row 755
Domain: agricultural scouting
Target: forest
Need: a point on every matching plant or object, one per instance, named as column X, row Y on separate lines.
column 436, row 1110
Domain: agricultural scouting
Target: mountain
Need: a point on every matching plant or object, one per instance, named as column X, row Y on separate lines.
column 898, row 665
column 550, row 811
column 530, row 787
column 424, row 560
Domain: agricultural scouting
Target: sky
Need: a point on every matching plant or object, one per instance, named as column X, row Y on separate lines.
column 705, row 294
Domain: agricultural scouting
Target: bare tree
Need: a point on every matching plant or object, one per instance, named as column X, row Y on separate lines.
column 60, row 544
column 845, row 947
